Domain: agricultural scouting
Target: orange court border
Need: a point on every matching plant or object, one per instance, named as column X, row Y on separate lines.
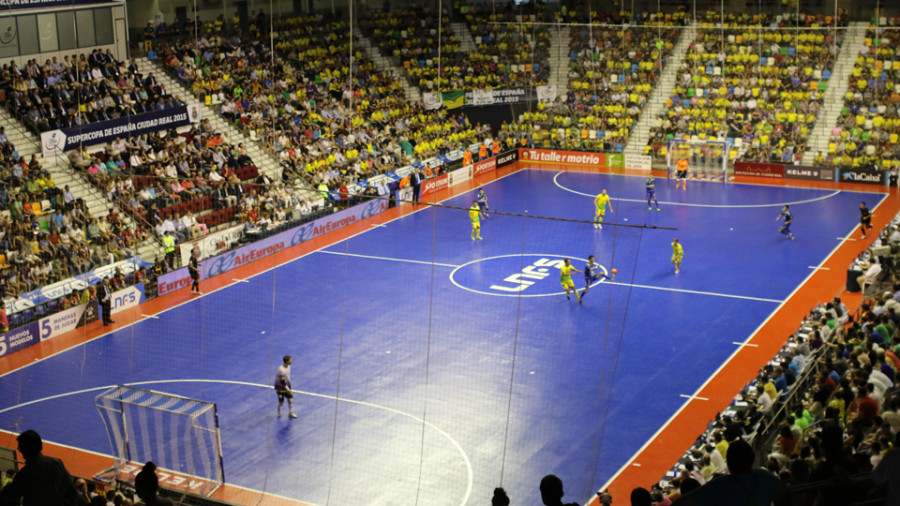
column 650, row 463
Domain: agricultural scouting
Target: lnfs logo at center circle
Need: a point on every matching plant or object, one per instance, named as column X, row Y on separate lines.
column 521, row 275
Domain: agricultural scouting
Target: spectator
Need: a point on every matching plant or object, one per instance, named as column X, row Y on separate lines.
column 43, row 480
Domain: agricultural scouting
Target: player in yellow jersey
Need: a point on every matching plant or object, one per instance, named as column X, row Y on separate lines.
column 677, row 255
column 601, row 202
column 475, row 218
column 565, row 278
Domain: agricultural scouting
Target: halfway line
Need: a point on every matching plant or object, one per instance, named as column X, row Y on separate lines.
column 744, row 297
column 387, row 258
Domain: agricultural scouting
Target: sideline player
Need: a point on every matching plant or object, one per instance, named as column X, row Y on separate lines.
column 601, row 202
column 677, row 255
column 865, row 218
column 194, row 269
column 788, row 219
column 651, row 192
column 682, row 173
column 283, row 386
column 592, row 273
column 482, row 203
column 565, row 278
column 475, row 218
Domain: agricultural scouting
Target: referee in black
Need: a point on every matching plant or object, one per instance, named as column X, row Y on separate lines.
column 104, row 294
column 194, row 270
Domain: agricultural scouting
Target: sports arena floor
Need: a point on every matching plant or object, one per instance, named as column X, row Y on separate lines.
column 425, row 374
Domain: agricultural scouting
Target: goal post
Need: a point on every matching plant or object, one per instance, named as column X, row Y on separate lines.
column 179, row 434
column 706, row 159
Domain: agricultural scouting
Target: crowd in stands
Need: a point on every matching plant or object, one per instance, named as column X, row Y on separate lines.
column 866, row 134
column 612, row 71
column 79, row 90
column 303, row 108
column 757, row 79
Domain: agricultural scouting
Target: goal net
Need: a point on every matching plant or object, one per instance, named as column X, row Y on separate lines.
column 705, row 159
column 179, row 434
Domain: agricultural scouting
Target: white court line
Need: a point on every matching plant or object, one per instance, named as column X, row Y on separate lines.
column 820, row 268
column 442, row 432
column 686, row 204
column 379, row 225
column 694, row 397
column 260, row 273
column 698, row 292
column 386, row 258
column 745, row 344
column 240, row 280
column 150, row 316
column 845, row 239
column 715, row 373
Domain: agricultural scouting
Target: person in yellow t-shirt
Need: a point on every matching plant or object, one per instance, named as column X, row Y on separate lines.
column 475, row 218
column 565, row 278
column 601, row 202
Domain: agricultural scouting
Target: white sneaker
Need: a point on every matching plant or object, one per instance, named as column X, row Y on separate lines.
column 292, row 415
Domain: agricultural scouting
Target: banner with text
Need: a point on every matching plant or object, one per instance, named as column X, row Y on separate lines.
column 19, row 338
column 507, row 157
column 775, row 170
column 211, row 244
column 498, row 96
column 639, row 162
column 43, row 4
column 808, row 173
column 127, row 298
column 459, row 176
column 55, row 142
column 175, row 280
column 484, row 167
column 433, row 185
column 596, row 160
column 862, row 175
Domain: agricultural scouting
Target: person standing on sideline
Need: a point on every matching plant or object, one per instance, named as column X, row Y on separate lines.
column 194, row 269
column 601, row 202
column 415, row 180
column 104, row 295
column 169, row 243
column 475, row 218
column 283, row 386
column 865, row 218
column 788, row 219
column 677, row 255
column 43, row 480
column 651, row 192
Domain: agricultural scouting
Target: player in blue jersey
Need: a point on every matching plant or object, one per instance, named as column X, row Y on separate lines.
column 592, row 273
column 651, row 192
column 482, row 203
column 788, row 219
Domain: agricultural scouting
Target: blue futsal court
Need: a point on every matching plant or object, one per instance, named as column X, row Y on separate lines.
column 453, row 376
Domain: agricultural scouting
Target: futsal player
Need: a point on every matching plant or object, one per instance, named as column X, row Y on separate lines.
column 592, row 273
column 788, row 219
column 475, row 218
column 677, row 255
column 681, row 174
column 651, row 192
column 565, row 278
column 601, row 202
column 194, row 270
column 482, row 203
column 283, row 386
column 865, row 218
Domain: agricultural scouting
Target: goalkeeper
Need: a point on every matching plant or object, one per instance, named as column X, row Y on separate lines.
column 283, row 386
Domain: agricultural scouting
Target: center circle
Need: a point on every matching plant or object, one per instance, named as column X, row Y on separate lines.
column 518, row 275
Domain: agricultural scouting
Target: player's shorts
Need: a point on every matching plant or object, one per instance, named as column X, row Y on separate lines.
column 284, row 394
column 601, row 211
column 588, row 280
column 567, row 283
column 651, row 194
column 682, row 174
column 476, row 224
column 482, row 205
column 677, row 258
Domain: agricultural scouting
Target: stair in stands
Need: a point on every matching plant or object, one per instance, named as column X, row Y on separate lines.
column 466, row 41
column 385, row 64
column 838, row 85
column 27, row 144
column 264, row 161
column 560, row 47
column 656, row 102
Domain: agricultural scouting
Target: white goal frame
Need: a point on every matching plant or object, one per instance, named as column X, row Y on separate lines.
column 707, row 159
column 180, row 435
